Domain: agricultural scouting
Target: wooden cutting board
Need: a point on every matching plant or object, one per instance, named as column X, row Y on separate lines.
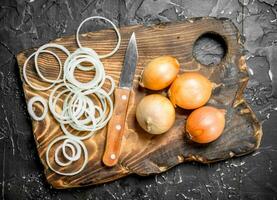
column 142, row 153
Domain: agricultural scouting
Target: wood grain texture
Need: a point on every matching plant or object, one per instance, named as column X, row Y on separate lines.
column 142, row 153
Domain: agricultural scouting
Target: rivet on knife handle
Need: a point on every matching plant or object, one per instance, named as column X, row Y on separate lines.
column 116, row 127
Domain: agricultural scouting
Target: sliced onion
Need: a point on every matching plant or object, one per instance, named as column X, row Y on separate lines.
column 26, row 78
column 80, row 52
column 85, row 107
column 115, row 28
column 112, row 84
column 77, row 144
column 57, row 160
column 72, row 65
column 76, row 105
column 41, row 50
column 97, row 123
column 74, row 156
column 31, row 111
column 53, row 101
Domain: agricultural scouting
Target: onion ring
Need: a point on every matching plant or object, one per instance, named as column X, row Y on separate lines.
column 78, row 144
column 42, row 49
column 25, row 75
column 115, row 28
column 31, row 111
column 99, row 73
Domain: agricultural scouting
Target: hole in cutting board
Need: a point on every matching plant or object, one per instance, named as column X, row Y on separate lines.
column 209, row 49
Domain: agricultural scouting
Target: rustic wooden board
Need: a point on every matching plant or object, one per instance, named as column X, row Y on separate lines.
column 145, row 154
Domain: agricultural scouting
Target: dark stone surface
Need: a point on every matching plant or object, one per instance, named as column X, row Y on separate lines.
column 209, row 49
column 25, row 24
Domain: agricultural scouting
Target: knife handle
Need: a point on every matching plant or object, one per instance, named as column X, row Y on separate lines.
column 116, row 127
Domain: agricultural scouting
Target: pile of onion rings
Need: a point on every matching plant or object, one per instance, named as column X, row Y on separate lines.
column 83, row 107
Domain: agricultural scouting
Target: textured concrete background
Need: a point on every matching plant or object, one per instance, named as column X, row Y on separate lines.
column 30, row 23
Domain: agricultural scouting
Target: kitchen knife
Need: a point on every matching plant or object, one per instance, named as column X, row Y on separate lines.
column 116, row 124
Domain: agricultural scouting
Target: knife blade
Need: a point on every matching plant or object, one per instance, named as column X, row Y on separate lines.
column 122, row 93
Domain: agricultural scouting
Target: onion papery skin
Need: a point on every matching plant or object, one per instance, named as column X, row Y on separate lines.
column 155, row 114
column 159, row 73
column 205, row 124
column 190, row 91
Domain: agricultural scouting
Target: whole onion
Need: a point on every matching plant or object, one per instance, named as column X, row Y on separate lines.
column 205, row 124
column 155, row 114
column 190, row 90
column 160, row 73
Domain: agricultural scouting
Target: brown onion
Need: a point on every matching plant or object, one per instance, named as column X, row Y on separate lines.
column 155, row 114
column 160, row 73
column 190, row 90
column 205, row 124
